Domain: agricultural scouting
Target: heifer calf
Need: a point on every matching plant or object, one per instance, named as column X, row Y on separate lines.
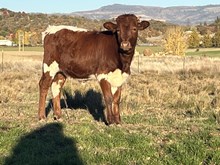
column 105, row 54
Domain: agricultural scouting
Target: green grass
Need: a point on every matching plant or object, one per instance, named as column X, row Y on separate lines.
column 204, row 52
column 197, row 148
column 209, row 52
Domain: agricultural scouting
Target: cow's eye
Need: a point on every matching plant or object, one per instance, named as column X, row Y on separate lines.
column 134, row 29
column 118, row 30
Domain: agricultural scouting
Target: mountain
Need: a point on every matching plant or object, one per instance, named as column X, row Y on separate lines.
column 177, row 15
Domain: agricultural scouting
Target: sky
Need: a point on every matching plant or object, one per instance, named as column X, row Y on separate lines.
column 68, row 6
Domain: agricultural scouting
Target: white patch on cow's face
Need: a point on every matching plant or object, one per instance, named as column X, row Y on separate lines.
column 116, row 79
column 55, row 87
column 52, row 69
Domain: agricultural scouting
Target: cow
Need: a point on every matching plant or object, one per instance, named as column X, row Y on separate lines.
column 107, row 55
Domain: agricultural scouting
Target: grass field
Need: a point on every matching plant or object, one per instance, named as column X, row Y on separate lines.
column 210, row 52
column 154, row 49
column 168, row 118
column 6, row 48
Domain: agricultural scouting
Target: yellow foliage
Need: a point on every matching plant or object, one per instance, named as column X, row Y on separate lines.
column 175, row 42
column 25, row 37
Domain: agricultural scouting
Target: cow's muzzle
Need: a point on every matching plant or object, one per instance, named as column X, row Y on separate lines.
column 125, row 45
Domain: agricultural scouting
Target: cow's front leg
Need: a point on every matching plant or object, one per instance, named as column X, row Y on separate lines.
column 44, row 85
column 116, row 102
column 108, row 97
column 56, row 86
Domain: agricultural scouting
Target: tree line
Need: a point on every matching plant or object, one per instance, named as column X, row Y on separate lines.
column 177, row 39
column 205, row 36
column 33, row 24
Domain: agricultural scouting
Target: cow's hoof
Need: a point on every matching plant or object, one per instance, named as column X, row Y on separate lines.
column 57, row 117
column 42, row 121
column 117, row 122
column 110, row 121
column 42, row 117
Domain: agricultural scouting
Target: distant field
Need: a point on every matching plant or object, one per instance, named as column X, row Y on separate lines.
column 154, row 49
column 210, row 52
column 5, row 48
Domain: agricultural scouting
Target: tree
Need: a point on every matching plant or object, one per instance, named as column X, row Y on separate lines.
column 202, row 29
column 207, row 41
column 194, row 39
column 216, row 39
column 175, row 42
column 217, row 21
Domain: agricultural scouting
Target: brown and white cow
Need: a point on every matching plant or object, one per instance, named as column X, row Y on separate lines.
column 105, row 54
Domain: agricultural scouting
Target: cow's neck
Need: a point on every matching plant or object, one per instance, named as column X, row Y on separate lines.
column 126, row 59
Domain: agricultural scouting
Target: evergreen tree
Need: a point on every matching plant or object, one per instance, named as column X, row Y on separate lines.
column 216, row 39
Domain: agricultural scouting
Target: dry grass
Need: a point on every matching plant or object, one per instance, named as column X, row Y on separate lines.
column 173, row 64
column 166, row 82
column 161, row 106
column 171, row 81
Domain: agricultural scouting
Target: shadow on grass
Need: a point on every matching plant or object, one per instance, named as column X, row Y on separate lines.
column 46, row 145
column 91, row 101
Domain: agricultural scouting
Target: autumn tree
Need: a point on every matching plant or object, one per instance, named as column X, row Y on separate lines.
column 175, row 41
column 18, row 35
column 194, row 40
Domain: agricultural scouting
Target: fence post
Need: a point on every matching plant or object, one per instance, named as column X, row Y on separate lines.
column 2, row 60
column 138, row 62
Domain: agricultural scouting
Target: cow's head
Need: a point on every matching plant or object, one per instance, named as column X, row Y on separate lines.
column 127, row 27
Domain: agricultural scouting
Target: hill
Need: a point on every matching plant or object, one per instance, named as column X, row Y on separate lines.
column 178, row 15
column 36, row 23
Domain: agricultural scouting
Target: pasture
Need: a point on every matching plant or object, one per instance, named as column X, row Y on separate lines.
column 170, row 113
column 209, row 52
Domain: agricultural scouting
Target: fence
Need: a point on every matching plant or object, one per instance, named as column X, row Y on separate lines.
column 2, row 61
column 174, row 64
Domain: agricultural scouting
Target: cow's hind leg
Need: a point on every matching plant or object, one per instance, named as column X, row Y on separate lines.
column 56, row 86
column 44, row 85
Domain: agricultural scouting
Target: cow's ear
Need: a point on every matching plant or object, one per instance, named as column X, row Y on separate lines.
column 110, row 26
column 143, row 25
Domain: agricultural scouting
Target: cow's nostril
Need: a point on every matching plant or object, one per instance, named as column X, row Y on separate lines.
column 125, row 45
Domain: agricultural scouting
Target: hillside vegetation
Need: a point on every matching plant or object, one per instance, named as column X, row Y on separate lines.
column 31, row 25
column 36, row 23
